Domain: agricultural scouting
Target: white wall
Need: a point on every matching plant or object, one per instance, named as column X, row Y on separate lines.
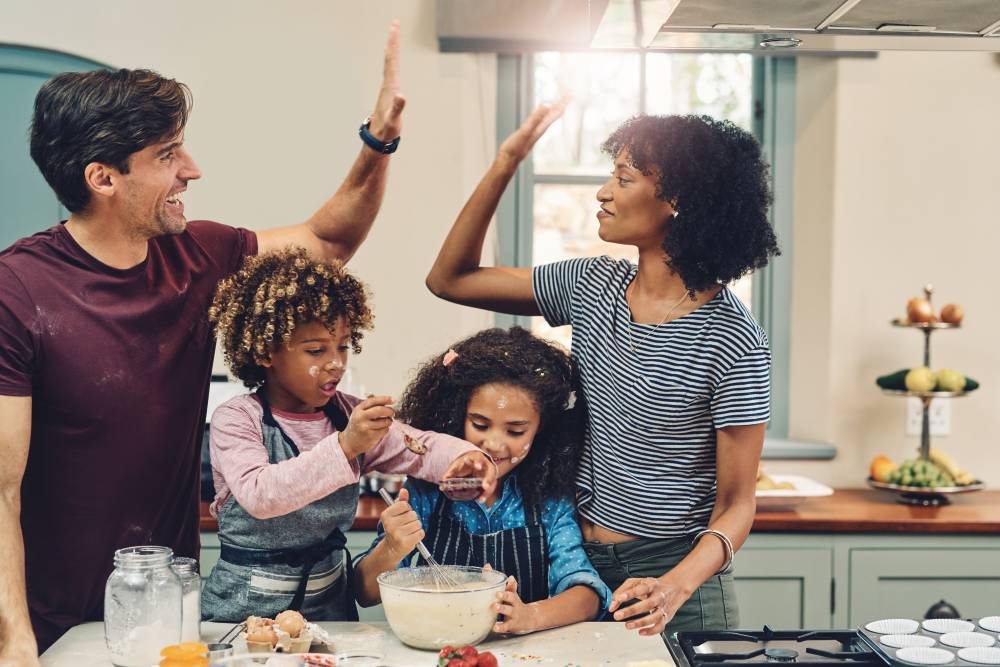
column 279, row 90
column 896, row 181
column 897, row 171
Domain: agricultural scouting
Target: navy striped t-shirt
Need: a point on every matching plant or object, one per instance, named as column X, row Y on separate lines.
column 648, row 467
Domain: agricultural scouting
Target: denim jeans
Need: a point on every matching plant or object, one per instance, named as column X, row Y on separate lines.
column 711, row 607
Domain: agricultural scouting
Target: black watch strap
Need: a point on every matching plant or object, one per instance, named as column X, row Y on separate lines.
column 375, row 144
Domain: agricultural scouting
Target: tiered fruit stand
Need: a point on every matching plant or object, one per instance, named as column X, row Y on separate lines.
column 922, row 495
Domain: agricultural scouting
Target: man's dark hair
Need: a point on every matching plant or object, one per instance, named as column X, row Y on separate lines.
column 101, row 116
column 715, row 172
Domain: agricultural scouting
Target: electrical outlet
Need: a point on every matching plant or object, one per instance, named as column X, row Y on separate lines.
column 939, row 415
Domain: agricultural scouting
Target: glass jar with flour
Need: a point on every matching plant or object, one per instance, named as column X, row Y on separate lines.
column 142, row 606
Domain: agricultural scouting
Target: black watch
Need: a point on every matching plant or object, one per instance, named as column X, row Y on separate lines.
column 373, row 143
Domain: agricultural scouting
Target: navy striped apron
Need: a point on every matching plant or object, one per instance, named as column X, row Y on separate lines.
column 519, row 552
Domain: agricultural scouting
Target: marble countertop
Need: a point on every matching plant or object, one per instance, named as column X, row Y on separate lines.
column 583, row 644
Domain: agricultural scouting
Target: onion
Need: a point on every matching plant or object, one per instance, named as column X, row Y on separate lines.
column 952, row 314
column 919, row 310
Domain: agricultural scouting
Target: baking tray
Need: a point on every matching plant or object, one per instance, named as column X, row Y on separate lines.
column 890, row 653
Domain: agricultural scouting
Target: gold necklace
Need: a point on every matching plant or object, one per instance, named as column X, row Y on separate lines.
column 653, row 330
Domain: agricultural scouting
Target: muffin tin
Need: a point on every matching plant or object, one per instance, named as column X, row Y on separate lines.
column 956, row 642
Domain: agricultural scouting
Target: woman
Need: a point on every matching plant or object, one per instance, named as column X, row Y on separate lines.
column 675, row 370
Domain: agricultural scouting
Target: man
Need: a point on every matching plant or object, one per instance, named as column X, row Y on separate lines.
column 105, row 349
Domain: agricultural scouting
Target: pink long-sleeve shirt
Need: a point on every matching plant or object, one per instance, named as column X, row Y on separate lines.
column 240, row 466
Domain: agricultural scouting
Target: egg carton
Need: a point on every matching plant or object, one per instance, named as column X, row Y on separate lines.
column 939, row 641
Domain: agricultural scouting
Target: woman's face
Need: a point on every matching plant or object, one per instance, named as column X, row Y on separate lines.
column 302, row 376
column 502, row 420
column 631, row 213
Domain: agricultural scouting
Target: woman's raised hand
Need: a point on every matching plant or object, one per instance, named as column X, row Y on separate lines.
column 517, row 146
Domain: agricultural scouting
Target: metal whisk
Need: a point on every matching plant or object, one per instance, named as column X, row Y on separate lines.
column 439, row 573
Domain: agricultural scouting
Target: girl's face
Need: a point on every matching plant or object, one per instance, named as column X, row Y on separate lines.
column 630, row 212
column 502, row 420
column 304, row 375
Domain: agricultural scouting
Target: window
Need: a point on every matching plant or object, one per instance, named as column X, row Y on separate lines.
column 548, row 214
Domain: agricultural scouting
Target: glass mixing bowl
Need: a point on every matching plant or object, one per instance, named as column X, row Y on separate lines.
column 424, row 612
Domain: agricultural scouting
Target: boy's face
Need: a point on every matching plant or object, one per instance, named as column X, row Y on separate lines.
column 502, row 420
column 304, row 375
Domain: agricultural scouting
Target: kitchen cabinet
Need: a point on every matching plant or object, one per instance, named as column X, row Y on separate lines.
column 785, row 582
column 843, row 580
column 897, row 576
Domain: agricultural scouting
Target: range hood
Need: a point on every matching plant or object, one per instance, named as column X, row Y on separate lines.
column 801, row 27
column 776, row 27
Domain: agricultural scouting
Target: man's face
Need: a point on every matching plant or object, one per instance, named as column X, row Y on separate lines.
column 152, row 190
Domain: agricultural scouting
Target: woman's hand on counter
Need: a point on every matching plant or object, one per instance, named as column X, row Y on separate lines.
column 658, row 601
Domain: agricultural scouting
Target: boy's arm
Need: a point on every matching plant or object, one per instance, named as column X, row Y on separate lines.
column 266, row 489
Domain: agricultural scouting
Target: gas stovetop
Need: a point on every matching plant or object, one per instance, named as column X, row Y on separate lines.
column 707, row 648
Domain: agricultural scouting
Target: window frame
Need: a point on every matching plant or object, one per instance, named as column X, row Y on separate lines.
column 773, row 116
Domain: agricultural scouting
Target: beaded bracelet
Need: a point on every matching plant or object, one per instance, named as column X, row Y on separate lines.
column 727, row 548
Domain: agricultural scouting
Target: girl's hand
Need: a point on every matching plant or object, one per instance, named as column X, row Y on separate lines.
column 474, row 464
column 370, row 421
column 658, row 599
column 402, row 527
column 517, row 146
column 519, row 618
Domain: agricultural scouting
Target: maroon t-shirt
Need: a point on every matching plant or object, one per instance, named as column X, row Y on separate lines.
column 117, row 363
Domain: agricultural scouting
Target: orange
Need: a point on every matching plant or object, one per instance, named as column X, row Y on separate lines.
column 880, row 468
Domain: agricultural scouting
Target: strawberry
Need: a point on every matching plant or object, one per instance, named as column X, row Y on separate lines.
column 487, row 659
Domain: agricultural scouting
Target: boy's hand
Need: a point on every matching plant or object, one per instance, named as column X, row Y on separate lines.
column 402, row 527
column 519, row 618
column 370, row 421
column 474, row 464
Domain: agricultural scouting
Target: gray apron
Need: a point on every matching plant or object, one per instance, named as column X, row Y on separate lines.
column 296, row 561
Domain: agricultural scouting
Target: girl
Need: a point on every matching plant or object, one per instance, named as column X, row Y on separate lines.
column 286, row 459
column 674, row 368
column 512, row 395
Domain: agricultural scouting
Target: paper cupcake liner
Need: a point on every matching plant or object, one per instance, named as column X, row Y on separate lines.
column 923, row 655
column 966, row 639
column 893, row 626
column 943, row 625
column 903, row 641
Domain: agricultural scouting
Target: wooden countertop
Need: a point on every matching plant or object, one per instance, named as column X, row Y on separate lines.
column 846, row 511
column 369, row 509
column 871, row 511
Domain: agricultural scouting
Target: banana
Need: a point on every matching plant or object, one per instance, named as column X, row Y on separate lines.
column 950, row 466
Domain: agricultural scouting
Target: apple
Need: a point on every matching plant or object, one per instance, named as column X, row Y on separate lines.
column 920, row 379
column 952, row 314
column 948, row 379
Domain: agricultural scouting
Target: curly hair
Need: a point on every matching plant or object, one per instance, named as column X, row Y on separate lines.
column 263, row 302
column 438, row 397
column 715, row 173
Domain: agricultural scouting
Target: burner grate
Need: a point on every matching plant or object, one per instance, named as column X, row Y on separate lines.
column 804, row 648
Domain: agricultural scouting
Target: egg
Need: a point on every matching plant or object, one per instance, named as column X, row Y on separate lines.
column 291, row 622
